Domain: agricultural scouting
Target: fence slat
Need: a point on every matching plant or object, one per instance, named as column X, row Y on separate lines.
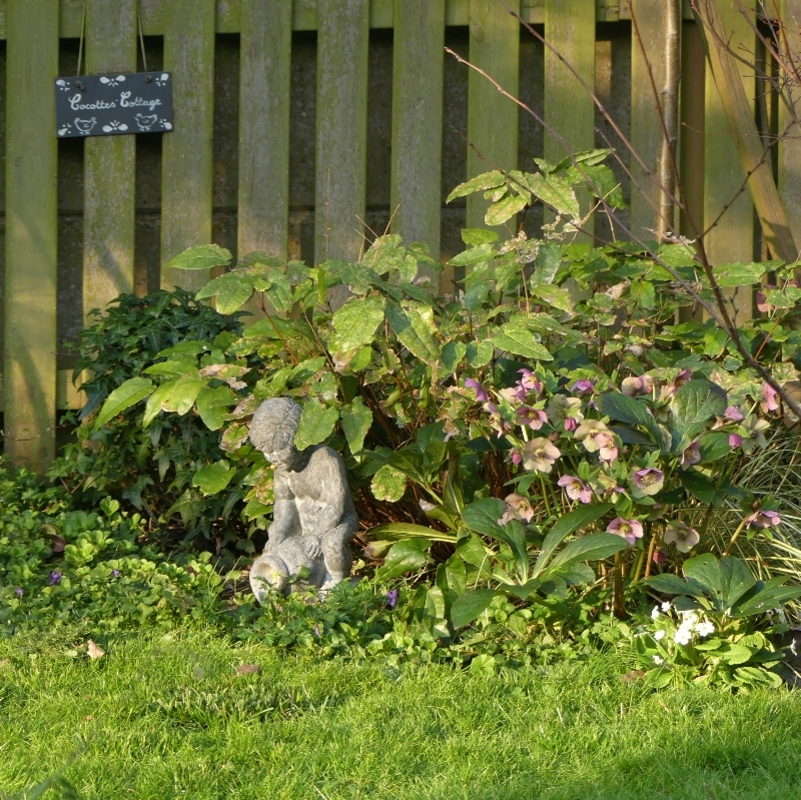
column 266, row 42
column 569, row 110
column 790, row 146
column 110, row 164
column 341, row 170
column 31, row 220
column 731, row 238
column 492, row 119
column 186, row 182
column 646, row 127
column 417, row 120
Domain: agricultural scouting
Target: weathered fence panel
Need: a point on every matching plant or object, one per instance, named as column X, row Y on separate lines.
column 277, row 158
column 30, row 303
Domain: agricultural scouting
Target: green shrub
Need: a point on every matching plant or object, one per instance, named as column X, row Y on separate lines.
column 152, row 470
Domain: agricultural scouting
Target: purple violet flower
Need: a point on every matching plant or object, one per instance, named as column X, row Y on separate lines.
column 20, row 591
column 115, row 573
column 55, row 577
column 392, row 598
column 582, row 386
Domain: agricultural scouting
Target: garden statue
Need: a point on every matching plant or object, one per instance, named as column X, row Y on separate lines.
column 313, row 514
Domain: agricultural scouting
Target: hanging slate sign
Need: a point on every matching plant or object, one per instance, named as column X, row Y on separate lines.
column 105, row 105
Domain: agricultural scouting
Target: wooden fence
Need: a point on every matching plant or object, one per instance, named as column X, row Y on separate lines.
column 296, row 120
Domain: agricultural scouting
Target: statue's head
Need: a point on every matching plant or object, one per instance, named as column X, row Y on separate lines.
column 273, row 429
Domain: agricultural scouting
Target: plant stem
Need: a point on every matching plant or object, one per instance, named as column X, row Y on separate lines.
column 734, row 537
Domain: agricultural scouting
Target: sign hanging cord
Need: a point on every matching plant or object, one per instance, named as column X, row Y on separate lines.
column 80, row 44
column 141, row 34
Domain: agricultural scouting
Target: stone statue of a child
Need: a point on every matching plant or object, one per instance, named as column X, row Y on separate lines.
column 313, row 515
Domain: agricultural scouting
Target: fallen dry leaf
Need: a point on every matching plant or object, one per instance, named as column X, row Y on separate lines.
column 633, row 676
column 93, row 651
column 249, row 669
column 4, row 663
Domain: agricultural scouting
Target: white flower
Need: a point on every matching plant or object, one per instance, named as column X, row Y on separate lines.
column 704, row 629
column 683, row 635
column 659, row 635
column 658, row 660
column 688, row 617
column 655, row 613
column 666, row 606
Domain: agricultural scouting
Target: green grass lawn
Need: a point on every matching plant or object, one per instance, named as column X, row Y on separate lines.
column 167, row 716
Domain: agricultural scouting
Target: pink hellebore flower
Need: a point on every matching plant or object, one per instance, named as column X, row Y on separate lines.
column 517, row 507
column 763, row 519
column 691, row 455
column 539, row 455
column 629, row 529
column 575, row 488
column 648, row 481
column 659, row 557
column 762, row 303
column 529, row 381
column 682, row 535
column 770, row 395
column 734, row 414
column 633, row 386
column 481, row 395
column 735, row 440
column 607, row 447
column 534, row 418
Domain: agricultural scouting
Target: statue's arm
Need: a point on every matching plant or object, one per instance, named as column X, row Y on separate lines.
column 343, row 521
column 285, row 512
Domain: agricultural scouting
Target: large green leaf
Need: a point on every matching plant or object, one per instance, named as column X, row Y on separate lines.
column 568, row 523
column 388, row 484
column 398, row 531
column 214, row 478
column 355, row 323
column 694, row 404
column 556, row 192
column 592, row 547
column 482, row 516
column 772, row 595
column 154, row 402
column 123, row 397
column 356, row 421
column 233, row 293
column 316, row 424
column 622, row 408
column 738, row 274
column 201, row 256
column 673, row 584
column 470, row 605
column 504, row 209
column 514, row 339
column 213, row 404
column 725, row 581
column 413, row 324
column 403, row 557
column 487, row 180
column 183, row 394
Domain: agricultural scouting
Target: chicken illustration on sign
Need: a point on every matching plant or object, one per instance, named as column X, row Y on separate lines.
column 103, row 105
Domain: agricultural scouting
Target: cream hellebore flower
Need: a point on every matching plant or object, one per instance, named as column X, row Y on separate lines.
column 589, row 431
column 539, row 455
column 682, row 535
column 517, row 507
